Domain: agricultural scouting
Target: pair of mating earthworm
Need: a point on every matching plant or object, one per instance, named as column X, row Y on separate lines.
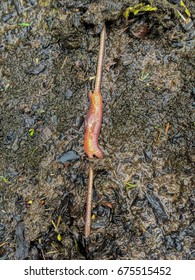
column 94, row 116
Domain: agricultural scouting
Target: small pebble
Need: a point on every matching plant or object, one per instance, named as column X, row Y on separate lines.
column 18, row 218
column 68, row 94
column 79, row 121
column 36, row 69
column 6, row 17
column 68, row 156
column 148, row 156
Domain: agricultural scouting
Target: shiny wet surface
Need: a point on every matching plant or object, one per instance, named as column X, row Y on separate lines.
column 144, row 194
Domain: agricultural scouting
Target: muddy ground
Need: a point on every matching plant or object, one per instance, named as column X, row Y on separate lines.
column 144, row 192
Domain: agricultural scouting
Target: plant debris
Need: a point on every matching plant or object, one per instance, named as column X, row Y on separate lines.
column 139, row 9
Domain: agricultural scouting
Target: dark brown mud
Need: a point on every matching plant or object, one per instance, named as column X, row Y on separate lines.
column 144, row 192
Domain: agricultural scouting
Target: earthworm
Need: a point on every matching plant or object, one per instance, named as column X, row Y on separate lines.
column 94, row 116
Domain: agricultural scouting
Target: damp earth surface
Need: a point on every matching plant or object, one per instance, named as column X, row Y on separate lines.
column 144, row 192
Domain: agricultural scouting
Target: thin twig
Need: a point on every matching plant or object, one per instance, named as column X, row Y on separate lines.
column 89, row 203
column 42, row 252
column 64, row 62
column 3, row 244
column 98, row 79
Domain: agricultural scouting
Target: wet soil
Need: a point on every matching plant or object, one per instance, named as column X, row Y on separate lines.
column 144, row 191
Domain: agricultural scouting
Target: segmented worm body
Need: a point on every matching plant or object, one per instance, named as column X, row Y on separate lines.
column 93, row 125
column 94, row 117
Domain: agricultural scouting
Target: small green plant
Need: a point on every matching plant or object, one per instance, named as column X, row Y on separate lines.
column 139, row 8
column 144, row 75
column 129, row 185
column 5, row 180
column 31, row 132
column 24, row 24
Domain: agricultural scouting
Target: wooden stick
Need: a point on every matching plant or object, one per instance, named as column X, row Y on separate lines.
column 98, row 79
column 89, row 203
